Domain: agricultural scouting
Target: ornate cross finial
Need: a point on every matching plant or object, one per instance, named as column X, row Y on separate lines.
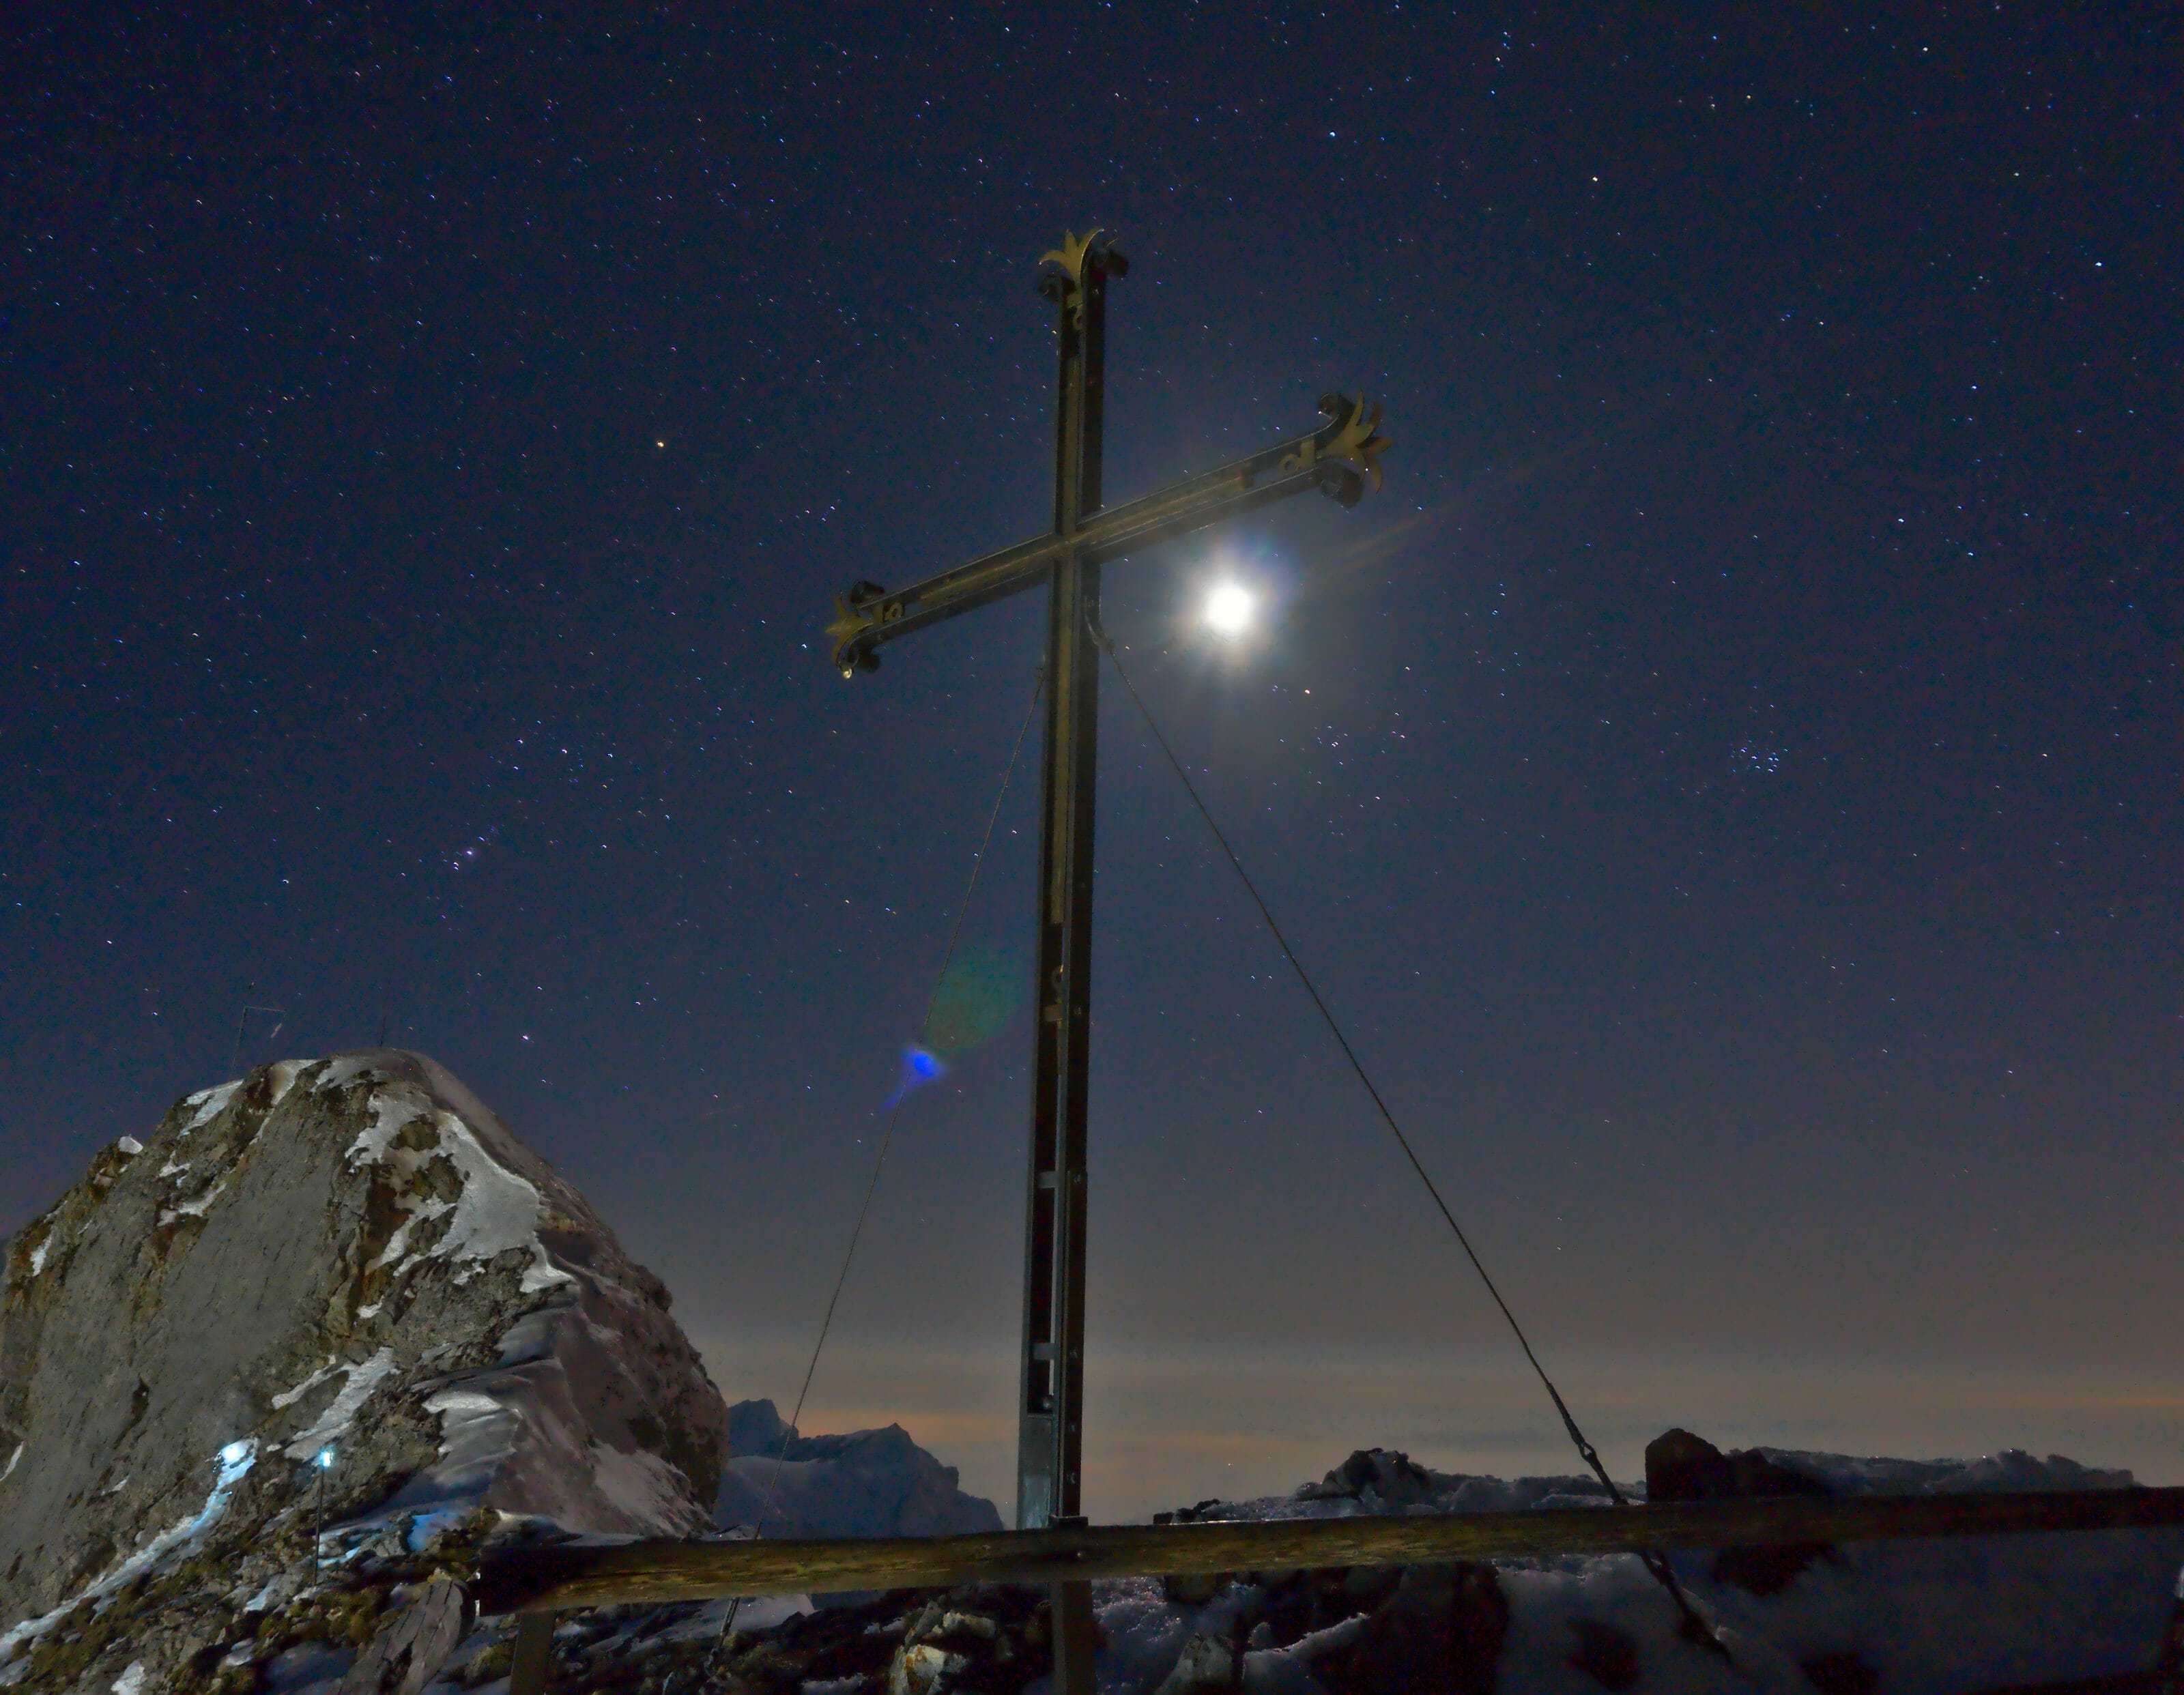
column 1358, row 442
column 1071, row 255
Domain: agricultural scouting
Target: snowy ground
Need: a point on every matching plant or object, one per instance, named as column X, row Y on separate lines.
column 1937, row 1615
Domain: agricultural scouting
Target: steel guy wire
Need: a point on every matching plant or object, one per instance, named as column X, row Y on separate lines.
column 1695, row 1626
column 887, row 1136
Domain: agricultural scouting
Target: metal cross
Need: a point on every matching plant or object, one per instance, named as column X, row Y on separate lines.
column 1339, row 458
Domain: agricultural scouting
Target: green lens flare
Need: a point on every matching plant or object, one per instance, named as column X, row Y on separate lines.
column 981, row 988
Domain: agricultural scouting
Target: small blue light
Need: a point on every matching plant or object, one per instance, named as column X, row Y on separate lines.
column 324, row 1459
column 235, row 1453
column 919, row 1065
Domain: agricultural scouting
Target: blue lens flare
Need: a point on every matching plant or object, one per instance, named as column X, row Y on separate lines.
column 919, row 1065
column 980, row 989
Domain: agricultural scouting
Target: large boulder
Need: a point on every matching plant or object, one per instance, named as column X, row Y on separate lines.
column 1680, row 1466
column 868, row 1483
column 1380, row 1479
column 1683, row 1467
column 349, row 1258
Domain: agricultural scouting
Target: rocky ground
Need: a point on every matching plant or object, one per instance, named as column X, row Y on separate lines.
column 352, row 1260
column 270, row 1375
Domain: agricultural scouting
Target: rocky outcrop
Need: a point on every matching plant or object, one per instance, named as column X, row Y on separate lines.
column 1683, row 1467
column 1376, row 1475
column 1380, row 1480
column 349, row 1259
column 352, row 1258
column 869, row 1483
column 1960, row 1612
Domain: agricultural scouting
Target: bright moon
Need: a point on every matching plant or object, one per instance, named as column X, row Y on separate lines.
column 1228, row 609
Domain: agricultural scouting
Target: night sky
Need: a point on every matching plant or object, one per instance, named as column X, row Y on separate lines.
column 1728, row 784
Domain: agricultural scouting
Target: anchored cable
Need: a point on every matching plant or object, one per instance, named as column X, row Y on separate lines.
column 887, row 1136
column 1695, row 1626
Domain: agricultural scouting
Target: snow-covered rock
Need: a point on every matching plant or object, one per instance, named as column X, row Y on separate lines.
column 354, row 1257
column 1939, row 1615
column 869, row 1483
column 350, row 1257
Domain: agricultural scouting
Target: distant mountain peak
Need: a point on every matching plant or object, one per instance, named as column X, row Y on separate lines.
column 867, row 1483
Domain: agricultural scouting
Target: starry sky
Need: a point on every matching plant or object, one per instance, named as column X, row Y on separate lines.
column 1727, row 784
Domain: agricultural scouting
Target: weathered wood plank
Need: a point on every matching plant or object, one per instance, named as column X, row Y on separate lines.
column 530, row 1668
column 555, row 1577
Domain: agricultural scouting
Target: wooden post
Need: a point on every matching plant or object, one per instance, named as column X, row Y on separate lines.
column 1075, row 1638
column 533, row 1662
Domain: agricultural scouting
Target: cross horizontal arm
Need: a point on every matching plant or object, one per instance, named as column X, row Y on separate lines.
column 1340, row 458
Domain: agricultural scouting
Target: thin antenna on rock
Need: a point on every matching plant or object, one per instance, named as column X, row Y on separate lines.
column 243, row 1024
column 241, row 1020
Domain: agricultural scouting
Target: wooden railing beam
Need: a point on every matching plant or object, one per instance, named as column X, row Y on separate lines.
column 551, row 1578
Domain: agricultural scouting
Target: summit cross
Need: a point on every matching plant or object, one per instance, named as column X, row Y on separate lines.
column 1340, row 459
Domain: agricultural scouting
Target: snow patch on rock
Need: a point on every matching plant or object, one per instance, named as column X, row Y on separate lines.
column 346, row 1070
column 288, row 1397
column 477, row 1432
column 642, row 1485
column 282, row 1074
column 499, row 1210
column 195, row 1208
column 541, row 1273
column 209, row 1104
column 393, row 1107
column 397, row 1245
column 363, row 1376
column 496, row 1210
column 177, row 1541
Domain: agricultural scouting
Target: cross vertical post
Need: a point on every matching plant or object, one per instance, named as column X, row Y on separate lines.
column 1050, row 1412
column 1051, row 1422
column 1339, row 458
